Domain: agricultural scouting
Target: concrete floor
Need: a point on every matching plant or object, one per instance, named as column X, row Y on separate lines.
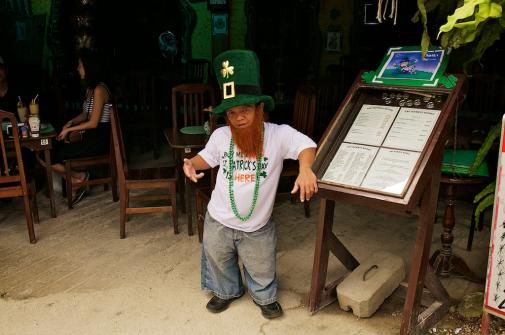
column 80, row 278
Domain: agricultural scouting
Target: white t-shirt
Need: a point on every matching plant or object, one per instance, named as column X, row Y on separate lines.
column 280, row 142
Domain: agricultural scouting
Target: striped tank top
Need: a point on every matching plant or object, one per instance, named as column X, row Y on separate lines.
column 88, row 107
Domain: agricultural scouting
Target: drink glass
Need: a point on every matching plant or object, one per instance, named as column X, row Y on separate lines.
column 34, row 122
column 22, row 113
column 34, row 109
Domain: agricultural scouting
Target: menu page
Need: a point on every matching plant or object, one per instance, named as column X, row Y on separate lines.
column 372, row 124
column 390, row 170
column 350, row 164
column 411, row 129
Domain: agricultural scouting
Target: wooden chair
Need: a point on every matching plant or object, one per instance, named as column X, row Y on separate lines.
column 84, row 164
column 13, row 183
column 188, row 104
column 94, row 162
column 164, row 179
column 329, row 96
column 138, row 100
column 196, row 71
column 303, row 120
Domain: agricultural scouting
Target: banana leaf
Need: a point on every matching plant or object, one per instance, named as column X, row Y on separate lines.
column 493, row 134
column 429, row 6
column 425, row 39
column 489, row 189
column 485, row 203
column 461, row 13
column 489, row 35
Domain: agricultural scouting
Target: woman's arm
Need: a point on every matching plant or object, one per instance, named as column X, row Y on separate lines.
column 100, row 97
column 76, row 120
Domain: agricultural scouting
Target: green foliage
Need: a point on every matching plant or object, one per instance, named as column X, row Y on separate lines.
column 473, row 23
column 493, row 134
column 489, row 189
column 485, row 198
column 425, row 40
column 488, row 201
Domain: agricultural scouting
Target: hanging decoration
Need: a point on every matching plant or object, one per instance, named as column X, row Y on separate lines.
column 167, row 44
column 382, row 8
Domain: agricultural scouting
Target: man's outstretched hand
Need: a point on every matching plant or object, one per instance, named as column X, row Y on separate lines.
column 190, row 171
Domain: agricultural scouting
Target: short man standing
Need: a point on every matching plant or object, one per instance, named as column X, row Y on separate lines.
column 250, row 153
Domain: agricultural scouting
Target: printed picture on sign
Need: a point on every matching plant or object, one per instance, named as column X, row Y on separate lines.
column 411, row 65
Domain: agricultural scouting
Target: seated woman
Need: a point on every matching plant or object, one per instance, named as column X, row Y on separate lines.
column 94, row 121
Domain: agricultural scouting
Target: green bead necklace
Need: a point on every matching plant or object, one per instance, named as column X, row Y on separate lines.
column 259, row 158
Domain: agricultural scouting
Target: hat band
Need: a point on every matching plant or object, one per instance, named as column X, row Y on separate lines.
column 247, row 89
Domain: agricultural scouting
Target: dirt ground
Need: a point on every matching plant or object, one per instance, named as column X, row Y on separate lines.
column 80, row 278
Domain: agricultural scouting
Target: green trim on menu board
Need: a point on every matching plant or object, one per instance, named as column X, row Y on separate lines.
column 405, row 66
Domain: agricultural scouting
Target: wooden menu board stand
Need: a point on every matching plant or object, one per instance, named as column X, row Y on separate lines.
column 419, row 197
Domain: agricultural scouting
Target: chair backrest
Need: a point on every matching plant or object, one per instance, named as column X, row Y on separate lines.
column 196, row 71
column 329, row 96
column 136, row 95
column 304, row 110
column 188, row 102
column 7, row 150
column 118, row 148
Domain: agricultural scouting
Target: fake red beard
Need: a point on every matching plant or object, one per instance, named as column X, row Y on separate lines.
column 249, row 140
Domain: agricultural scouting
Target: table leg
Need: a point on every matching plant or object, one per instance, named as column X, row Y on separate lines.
column 182, row 180
column 443, row 260
column 49, row 178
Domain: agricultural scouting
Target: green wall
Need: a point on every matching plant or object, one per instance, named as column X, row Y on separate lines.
column 201, row 42
column 43, row 7
column 201, row 46
column 238, row 24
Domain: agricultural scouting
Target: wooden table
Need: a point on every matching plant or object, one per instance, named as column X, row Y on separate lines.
column 43, row 143
column 185, row 146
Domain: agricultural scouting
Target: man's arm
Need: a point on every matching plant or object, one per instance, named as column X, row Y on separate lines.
column 197, row 163
column 306, row 181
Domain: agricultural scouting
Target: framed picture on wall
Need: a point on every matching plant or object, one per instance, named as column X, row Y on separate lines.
column 334, row 41
column 370, row 13
column 217, row 5
column 219, row 24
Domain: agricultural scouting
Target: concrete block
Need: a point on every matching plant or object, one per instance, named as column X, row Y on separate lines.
column 383, row 272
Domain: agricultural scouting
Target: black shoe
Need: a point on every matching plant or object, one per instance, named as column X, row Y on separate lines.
column 79, row 195
column 271, row 311
column 217, row 305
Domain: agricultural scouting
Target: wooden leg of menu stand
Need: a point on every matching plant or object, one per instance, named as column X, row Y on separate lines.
column 443, row 260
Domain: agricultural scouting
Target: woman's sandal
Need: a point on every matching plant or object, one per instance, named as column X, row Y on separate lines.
column 79, row 195
column 82, row 191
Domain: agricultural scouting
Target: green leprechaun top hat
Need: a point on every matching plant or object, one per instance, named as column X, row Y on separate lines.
column 238, row 76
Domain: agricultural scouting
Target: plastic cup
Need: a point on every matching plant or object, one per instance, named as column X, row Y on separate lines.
column 34, row 109
column 22, row 114
column 34, row 122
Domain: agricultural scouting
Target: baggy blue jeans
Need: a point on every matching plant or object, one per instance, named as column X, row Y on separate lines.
column 222, row 246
